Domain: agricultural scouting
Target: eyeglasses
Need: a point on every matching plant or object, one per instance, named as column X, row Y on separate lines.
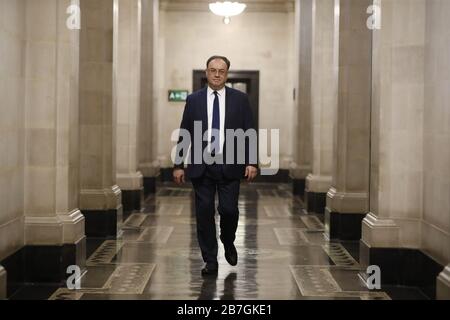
column 221, row 72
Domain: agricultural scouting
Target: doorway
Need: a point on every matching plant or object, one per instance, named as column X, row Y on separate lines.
column 245, row 81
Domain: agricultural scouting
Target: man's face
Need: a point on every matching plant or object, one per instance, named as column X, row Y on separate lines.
column 217, row 74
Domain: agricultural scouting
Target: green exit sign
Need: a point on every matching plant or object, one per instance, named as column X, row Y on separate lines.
column 178, row 95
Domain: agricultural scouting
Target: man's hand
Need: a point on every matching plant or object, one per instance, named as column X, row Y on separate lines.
column 251, row 173
column 178, row 176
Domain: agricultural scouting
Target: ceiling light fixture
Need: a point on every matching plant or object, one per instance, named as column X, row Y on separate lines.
column 227, row 9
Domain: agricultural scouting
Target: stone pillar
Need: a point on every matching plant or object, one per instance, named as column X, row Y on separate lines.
column 443, row 284
column 348, row 198
column 100, row 197
column 54, row 226
column 148, row 164
column 435, row 226
column 301, row 166
column 12, row 132
column 127, row 90
column 2, row 283
column 396, row 173
column 324, row 81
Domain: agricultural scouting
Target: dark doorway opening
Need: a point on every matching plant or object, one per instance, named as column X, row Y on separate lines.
column 245, row 81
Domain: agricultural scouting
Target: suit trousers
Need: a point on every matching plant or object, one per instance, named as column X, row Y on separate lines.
column 205, row 189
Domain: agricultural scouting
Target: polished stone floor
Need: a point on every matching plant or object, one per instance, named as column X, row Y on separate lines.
column 283, row 254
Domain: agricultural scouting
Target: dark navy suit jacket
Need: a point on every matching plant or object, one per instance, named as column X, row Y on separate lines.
column 238, row 115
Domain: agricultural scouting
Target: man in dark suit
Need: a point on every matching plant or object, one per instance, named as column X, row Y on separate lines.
column 218, row 109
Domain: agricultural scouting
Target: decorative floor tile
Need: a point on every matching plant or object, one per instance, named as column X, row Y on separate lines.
column 168, row 210
column 66, row 294
column 339, row 255
column 315, row 281
column 312, row 222
column 315, row 237
column 290, row 236
column 129, row 279
column 278, row 211
column 135, row 220
column 156, row 234
column 105, row 253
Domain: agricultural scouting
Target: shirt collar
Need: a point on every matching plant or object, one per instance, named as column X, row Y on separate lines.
column 221, row 92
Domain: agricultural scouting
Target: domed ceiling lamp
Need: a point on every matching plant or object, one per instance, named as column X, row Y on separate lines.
column 227, row 9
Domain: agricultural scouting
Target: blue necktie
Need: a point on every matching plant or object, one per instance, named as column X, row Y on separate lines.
column 215, row 143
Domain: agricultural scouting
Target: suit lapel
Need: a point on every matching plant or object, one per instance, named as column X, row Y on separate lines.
column 204, row 109
column 228, row 106
column 228, row 112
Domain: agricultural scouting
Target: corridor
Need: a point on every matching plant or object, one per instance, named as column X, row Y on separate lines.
column 283, row 252
column 349, row 100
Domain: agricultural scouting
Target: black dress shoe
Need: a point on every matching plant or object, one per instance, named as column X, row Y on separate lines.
column 210, row 269
column 231, row 254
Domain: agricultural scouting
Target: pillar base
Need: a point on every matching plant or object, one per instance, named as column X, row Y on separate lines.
column 43, row 264
column 132, row 186
column 149, row 186
column 151, row 171
column 132, row 199
column 103, row 210
column 298, row 187
column 402, row 267
column 315, row 201
column 316, row 188
column 443, row 284
column 102, row 223
column 343, row 226
column 2, row 283
column 298, row 176
column 378, row 232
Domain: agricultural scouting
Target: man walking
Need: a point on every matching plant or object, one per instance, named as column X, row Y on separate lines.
column 217, row 108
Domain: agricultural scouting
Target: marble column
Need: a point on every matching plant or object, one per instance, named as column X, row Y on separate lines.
column 54, row 226
column 100, row 197
column 397, row 127
column 436, row 189
column 301, row 165
column 324, row 79
column 443, row 284
column 2, row 283
column 396, row 174
column 12, row 132
column 127, row 93
column 348, row 197
column 148, row 164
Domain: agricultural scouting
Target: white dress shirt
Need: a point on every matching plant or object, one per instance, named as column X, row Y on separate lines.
column 211, row 97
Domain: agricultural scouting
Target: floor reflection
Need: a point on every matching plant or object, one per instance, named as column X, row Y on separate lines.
column 283, row 254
